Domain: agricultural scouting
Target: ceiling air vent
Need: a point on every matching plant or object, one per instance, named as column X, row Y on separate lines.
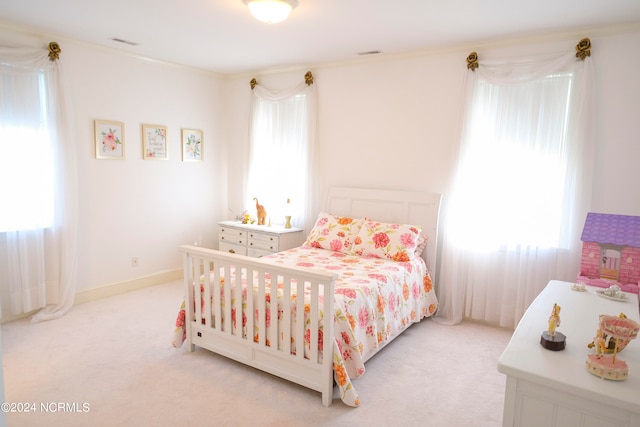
column 115, row 39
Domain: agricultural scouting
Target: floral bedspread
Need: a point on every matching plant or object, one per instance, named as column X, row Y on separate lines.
column 374, row 299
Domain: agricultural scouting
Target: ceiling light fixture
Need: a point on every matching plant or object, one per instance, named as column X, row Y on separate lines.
column 271, row 11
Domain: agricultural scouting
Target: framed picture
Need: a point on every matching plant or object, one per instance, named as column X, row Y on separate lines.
column 154, row 142
column 109, row 139
column 191, row 145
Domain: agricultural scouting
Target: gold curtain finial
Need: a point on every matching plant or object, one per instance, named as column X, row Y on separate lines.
column 54, row 51
column 472, row 61
column 253, row 83
column 583, row 49
column 308, row 78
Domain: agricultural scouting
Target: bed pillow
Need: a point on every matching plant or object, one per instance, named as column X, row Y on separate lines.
column 422, row 244
column 334, row 232
column 397, row 242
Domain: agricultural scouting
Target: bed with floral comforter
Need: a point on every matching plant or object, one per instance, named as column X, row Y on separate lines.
column 374, row 298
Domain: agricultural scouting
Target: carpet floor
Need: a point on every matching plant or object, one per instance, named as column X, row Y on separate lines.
column 110, row 363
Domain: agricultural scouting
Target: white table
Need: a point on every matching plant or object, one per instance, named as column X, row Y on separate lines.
column 553, row 388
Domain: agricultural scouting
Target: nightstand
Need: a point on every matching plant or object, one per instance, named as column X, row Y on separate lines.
column 257, row 240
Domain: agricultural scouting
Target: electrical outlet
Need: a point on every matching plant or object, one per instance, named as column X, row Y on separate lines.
column 134, row 261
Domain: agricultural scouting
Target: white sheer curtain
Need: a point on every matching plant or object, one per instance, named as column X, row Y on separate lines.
column 38, row 183
column 281, row 141
column 522, row 187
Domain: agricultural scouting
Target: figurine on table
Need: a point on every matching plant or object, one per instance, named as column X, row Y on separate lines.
column 554, row 320
column 261, row 213
column 551, row 339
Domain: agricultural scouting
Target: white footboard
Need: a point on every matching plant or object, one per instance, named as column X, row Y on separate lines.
column 213, row 326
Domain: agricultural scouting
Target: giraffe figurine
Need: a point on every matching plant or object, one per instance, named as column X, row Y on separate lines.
column 261, row 212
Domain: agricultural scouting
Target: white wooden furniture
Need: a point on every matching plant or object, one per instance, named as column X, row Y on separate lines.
column 256, row 240
column 553, row 388
column 383, row 205
column 312, row 372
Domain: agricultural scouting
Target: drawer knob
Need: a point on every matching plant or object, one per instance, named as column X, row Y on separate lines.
column 232, row 251
column 222, row 238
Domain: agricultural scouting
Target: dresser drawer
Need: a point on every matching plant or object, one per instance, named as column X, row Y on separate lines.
column 267, row 242
column 232, row 236
column 231, row 248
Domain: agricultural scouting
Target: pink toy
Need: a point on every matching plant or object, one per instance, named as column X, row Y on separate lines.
column 608, row 366
column 611, row 251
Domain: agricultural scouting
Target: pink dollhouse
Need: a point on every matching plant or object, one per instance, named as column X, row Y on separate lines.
column 611, row 251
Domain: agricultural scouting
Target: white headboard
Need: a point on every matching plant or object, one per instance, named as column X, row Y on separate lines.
column 404, row 207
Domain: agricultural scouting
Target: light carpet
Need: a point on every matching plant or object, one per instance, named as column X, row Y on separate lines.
column 110, row 363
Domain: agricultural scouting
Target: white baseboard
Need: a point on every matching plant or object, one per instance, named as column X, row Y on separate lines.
column 114, row 289
column 127, row 286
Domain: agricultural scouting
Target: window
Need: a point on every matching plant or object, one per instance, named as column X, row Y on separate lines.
column 38, row 183
column 513, row 173
column 26, row 159
column 279, row 151
column 521, row 189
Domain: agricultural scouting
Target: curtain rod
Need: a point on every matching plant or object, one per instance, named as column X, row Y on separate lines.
column 583, row 49
column 54, row 51
column 308, row 79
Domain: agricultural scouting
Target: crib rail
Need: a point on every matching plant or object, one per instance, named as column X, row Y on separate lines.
column 252, row 321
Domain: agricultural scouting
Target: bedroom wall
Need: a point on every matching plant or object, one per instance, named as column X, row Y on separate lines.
column 133, row 207
column 617, row 169
column 384, row 122
column 392, row 122
column 380, row 123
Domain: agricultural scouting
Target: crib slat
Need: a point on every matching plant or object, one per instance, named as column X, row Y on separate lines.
column 300, row 327
column 197, row 262
column 286, row 318
column 217, row 308
column 187, row 265
column 228, row 285
column 237, row 294
column 313, row 324
column 262, row 311
column 326, row 374
column 273, row 329
column 250, row 313
column 207, row 291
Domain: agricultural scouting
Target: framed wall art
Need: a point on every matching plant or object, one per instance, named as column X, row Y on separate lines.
column 109, row 139
column 191, row 145
column 154, row 142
